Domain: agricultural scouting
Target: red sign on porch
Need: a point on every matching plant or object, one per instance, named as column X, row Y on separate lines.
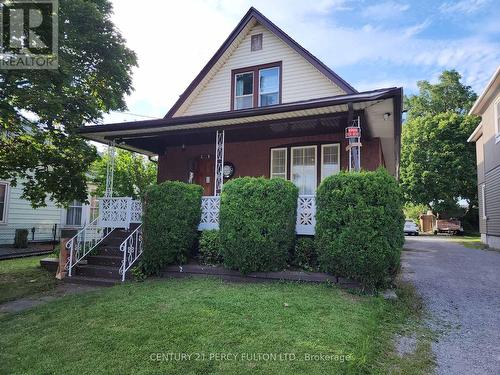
column 353, row 132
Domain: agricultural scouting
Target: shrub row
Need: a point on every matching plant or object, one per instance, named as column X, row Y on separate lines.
column 358, row 232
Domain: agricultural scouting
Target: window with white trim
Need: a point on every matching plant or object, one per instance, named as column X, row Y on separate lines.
column 269, row 86
column 330, row 160
column 4, row 189
column 497, row 119
column 303, row 169
column 243, row 91
column 278, row 163
column 483, row 201
column 74, row 214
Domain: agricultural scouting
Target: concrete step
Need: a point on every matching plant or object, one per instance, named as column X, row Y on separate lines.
column 92, row 270
column 109, row 251
column 98, row 281
column 105, row 260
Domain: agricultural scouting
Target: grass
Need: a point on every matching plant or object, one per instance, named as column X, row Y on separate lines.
column 144, row 327
column 23, row 277
column 470, row 241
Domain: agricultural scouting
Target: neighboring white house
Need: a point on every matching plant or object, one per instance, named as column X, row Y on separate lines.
column 17, row 213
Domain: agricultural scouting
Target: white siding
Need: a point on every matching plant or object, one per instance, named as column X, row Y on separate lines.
column 20, row 215
column 301, row 80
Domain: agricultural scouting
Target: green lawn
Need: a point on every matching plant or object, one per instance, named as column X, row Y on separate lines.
column 470, row 241
column 23, row 277
column 144, row 327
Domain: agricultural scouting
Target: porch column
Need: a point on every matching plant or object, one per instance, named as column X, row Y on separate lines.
column 110, row 170
column 219, row 161
column 355, row 148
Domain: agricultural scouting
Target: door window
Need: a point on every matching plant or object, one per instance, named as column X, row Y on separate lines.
column 303, row 169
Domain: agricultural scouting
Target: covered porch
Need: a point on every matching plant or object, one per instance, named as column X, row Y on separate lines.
column 303, row 142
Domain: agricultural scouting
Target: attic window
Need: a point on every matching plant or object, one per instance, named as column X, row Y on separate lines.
column 256, row 44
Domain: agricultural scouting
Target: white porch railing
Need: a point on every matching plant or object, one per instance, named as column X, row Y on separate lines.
column 306, row 214
column 132, row 250
column 84, row 242
column 119, row 212
column 209, row 213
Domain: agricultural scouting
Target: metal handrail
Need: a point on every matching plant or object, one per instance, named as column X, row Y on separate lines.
column 132, row 250
column 84, row 241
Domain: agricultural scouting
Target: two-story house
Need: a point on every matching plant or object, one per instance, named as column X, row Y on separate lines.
column 264, row 106
column 487, row 138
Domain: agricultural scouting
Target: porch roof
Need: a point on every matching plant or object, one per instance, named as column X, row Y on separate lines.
column 145, row 136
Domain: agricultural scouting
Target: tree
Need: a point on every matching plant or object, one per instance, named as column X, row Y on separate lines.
column 40, row 110
column 132, row 174
column 448, row 95
column 438, row 166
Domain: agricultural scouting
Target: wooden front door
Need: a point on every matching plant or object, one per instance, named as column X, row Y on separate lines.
column 204, row 172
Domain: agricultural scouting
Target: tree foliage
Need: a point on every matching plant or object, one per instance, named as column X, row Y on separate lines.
column 438, row 166
column 448, row 95
column 133, row 174
column 40, row 110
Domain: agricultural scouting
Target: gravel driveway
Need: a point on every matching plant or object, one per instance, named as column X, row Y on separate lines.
column 461, row 289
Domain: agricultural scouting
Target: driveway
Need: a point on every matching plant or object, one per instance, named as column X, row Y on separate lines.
column 461, row 289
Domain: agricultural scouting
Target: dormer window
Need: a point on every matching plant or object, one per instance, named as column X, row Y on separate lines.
column 256, row 86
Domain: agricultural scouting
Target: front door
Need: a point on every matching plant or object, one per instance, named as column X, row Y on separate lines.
column 204, row 172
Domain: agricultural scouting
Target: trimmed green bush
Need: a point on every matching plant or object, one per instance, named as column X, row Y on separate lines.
column 359, row 226
column 257, row 223
column 21, row 239
column 209, row 248
column 171, row 217
column 304, row 254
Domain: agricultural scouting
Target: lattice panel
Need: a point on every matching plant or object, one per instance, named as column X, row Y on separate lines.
column 306, row 214
column 209, row 213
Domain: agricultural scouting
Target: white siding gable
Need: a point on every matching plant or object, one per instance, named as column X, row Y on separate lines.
column 300, row 79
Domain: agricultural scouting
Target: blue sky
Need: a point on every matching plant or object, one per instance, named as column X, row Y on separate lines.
column 371, row 44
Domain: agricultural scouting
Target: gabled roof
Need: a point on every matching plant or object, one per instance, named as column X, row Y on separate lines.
column 255, row 14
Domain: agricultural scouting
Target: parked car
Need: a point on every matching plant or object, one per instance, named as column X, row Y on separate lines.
column 411, row 228
column 450, row 226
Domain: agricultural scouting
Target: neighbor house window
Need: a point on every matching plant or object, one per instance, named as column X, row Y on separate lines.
column 330, row 160
column 483, row 201
column 4, row 189
column 94, row 208
column 257, row 86
column 74, row 214
column 244, row 91
column 278, row 163
column 303, row 169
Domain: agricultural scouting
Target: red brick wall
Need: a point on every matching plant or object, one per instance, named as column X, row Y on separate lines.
column 253, row 158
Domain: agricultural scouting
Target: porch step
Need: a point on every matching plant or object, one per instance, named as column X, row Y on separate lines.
column 113, row 251
column 92, row 270
column 97, row 281
column 105, row 260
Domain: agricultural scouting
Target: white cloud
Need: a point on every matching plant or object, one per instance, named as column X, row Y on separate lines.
column 463, row 6
column 174, row 40
column 385, row 10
